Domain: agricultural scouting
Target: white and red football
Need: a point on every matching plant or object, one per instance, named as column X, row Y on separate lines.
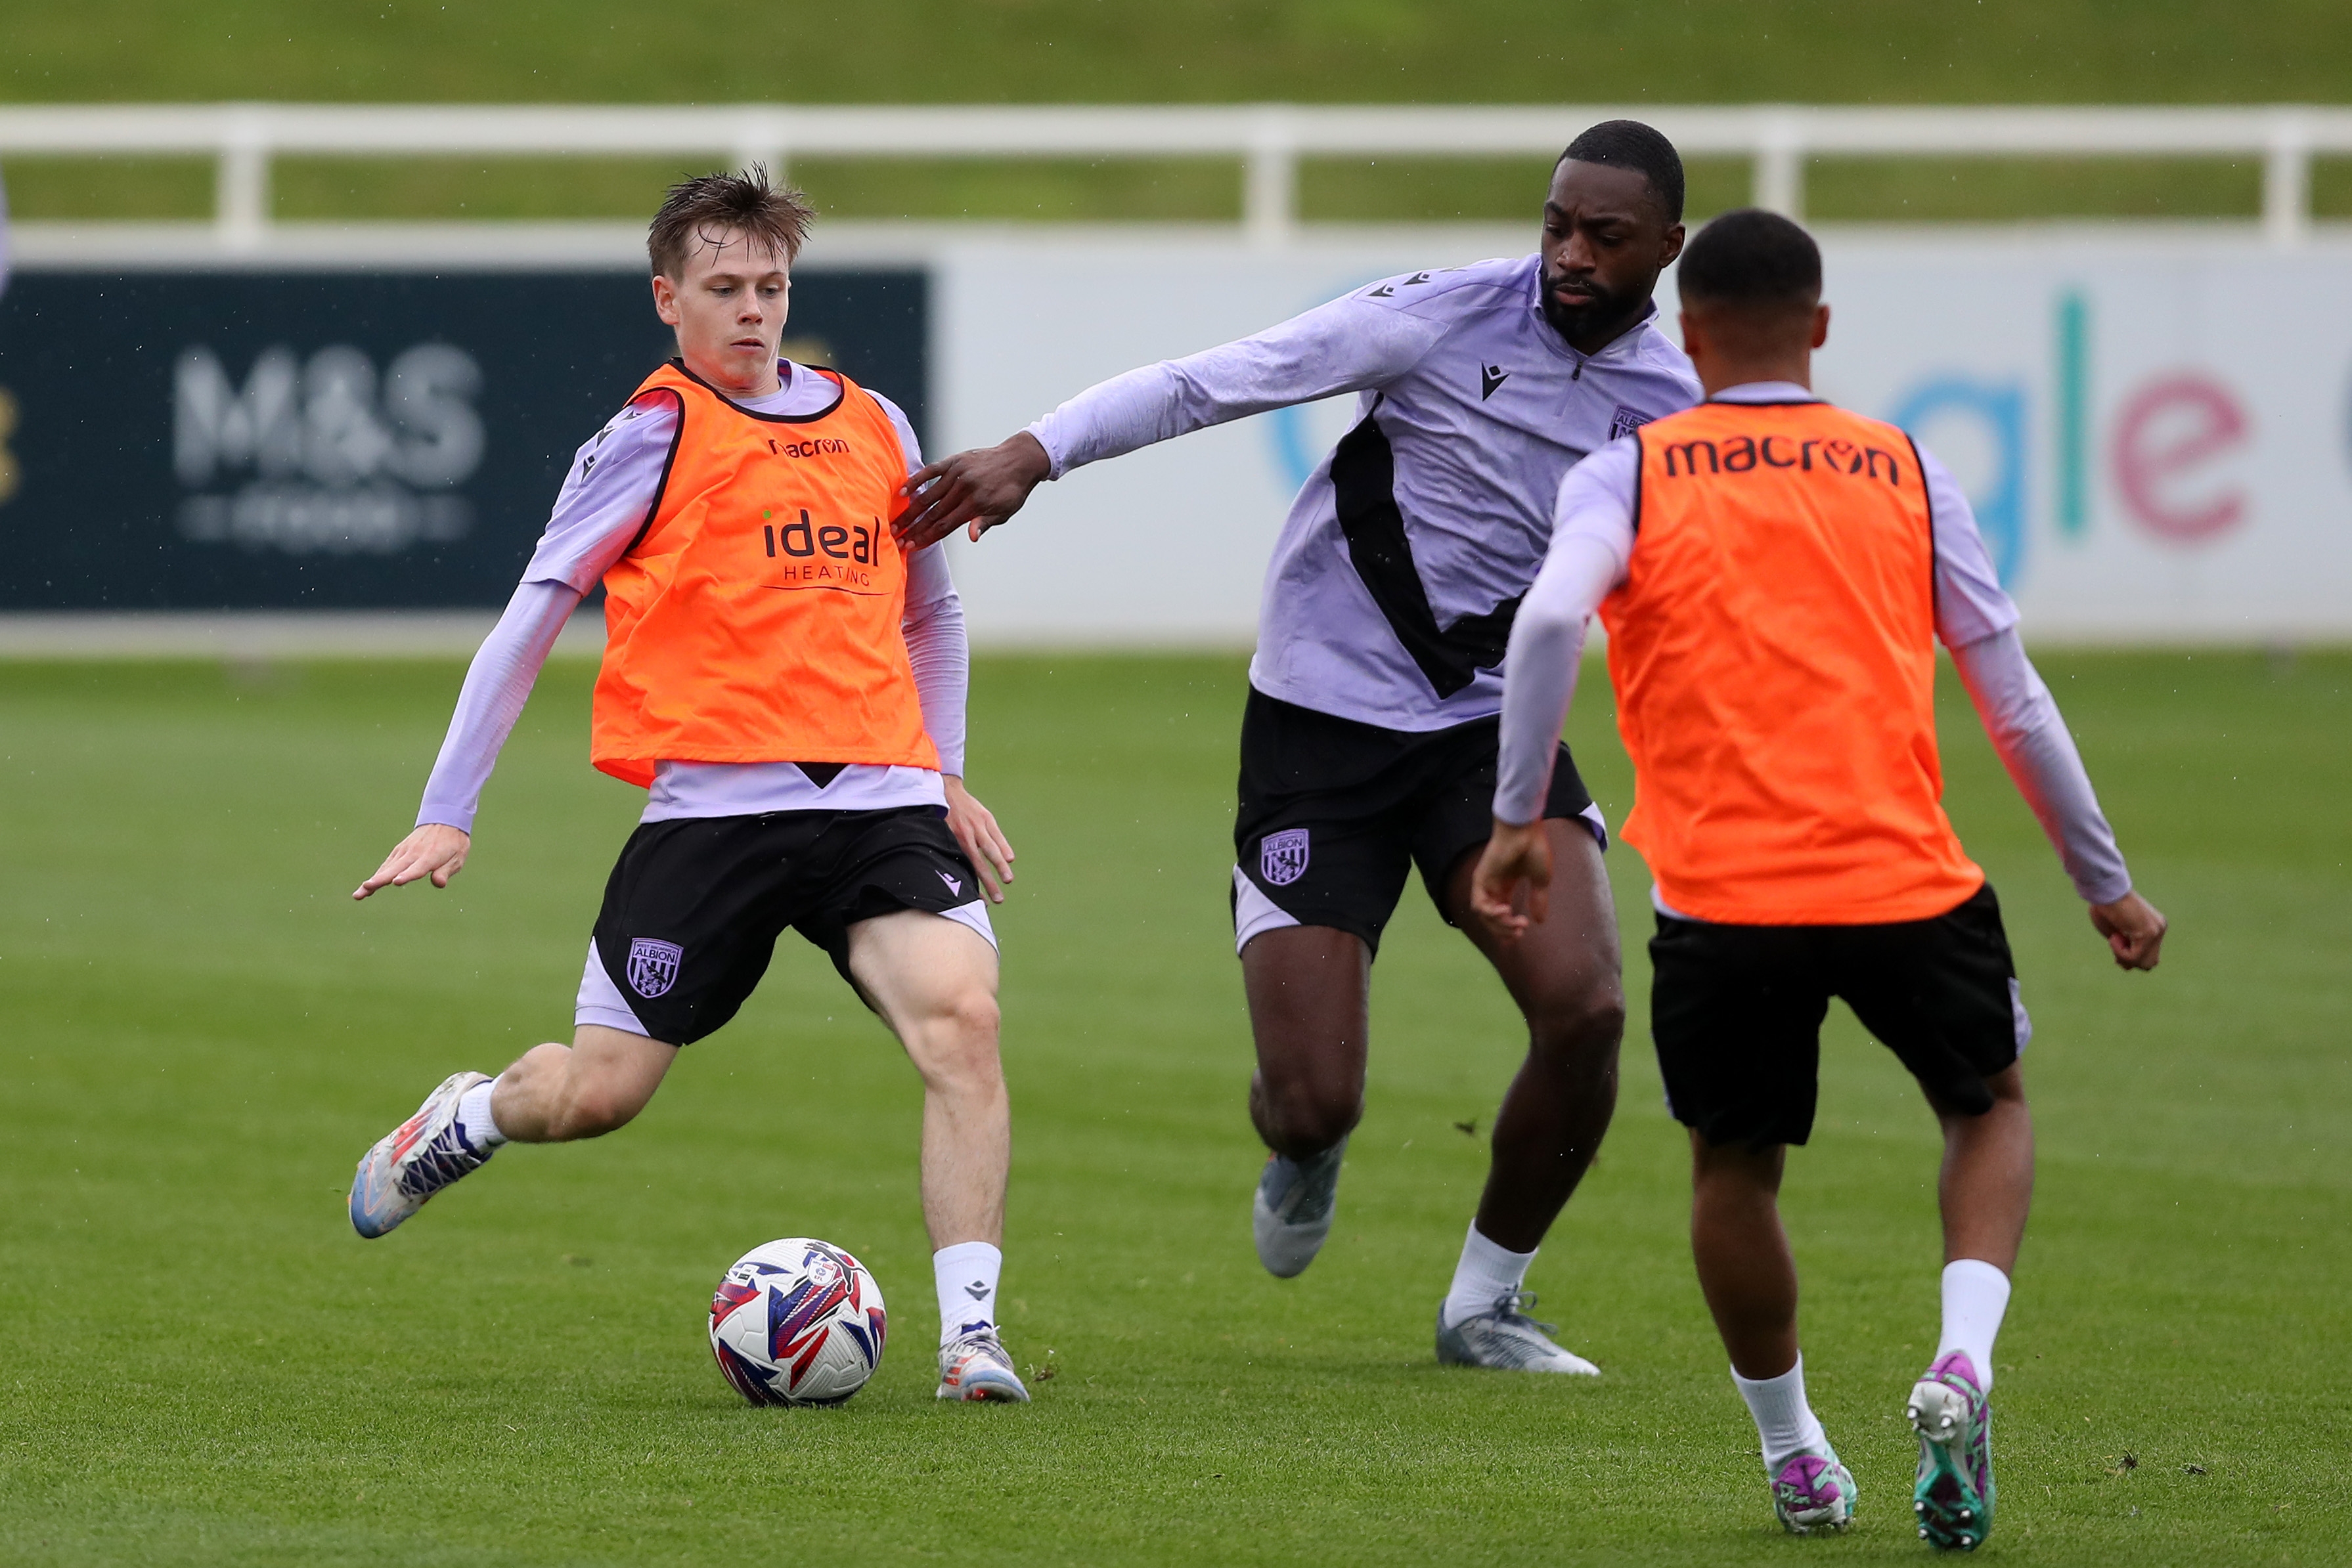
column 798, row 1321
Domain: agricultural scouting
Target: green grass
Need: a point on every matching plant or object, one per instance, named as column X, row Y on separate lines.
column 202, row 1365
column 1185, row 51
column 1179, row 51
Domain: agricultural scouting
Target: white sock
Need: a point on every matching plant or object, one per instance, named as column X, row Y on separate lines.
column 1975, row 1294
column 1487, row 1271
column 965, row 1276
column 1784, row 1422
column 474, row 1123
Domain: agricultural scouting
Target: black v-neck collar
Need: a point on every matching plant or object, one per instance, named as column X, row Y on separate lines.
column 828, row 411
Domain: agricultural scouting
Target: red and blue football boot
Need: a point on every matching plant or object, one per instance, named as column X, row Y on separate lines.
column 415, row 1160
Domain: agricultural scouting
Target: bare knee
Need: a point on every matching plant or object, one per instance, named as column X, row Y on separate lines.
column 592, row 1109
column 2007, row 1112
column 1305, row 1113
column 1580, row 1025
column 954, row 1043
column 1736, row 1171
column 574, row 1101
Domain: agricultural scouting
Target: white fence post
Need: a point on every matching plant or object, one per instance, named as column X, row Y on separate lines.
column 1270, row 179
column 1268, row 139
column 1779, row 176
column 2286, row 180
column 241, row 182
column 762, row 141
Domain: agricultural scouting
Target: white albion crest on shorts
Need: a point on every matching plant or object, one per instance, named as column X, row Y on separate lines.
column 1281, row 857
column 652, row 966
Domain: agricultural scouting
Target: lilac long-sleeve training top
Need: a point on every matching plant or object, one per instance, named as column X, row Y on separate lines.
column 613, row 483
column 1593, row 541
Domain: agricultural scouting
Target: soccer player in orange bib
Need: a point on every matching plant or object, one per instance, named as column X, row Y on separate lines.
column 1774, row 573
column 787, row 682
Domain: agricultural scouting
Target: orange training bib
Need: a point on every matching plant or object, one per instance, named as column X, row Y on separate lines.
column 1773, row 651
column 756, row 619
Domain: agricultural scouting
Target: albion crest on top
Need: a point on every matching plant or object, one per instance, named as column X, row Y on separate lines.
column 1281, row 857
column 652, row 966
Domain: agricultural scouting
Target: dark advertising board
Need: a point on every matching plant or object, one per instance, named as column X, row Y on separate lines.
column 239, row 440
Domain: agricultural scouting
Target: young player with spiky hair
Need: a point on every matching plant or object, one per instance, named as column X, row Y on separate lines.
column 788, row 683
column 1368, row 741
column 1775, row 573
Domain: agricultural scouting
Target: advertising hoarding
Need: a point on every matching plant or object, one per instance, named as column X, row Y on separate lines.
column 2154, row 426
column 328, row 440
column 2154, row 429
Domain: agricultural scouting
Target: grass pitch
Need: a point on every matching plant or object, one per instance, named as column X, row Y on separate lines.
column 203, row 1365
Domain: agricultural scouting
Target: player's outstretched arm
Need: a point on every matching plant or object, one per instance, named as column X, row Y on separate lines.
column 2023, row 719
column 981, row 487
column 435, row 850
column 1977, row 620
column 498, row 684
column 984, row 844
column 1354, row 342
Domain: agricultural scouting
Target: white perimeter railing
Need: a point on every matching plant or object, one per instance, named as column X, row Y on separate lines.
column 1268, row 139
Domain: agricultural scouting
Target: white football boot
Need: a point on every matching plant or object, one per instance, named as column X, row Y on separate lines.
column 973, row 1366
column 415, row 1160
column 1290, row 1214
column 1505, row 1337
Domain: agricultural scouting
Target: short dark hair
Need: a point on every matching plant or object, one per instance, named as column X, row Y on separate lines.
column 776, row 216
column 1630, row 144
column 1752, row 257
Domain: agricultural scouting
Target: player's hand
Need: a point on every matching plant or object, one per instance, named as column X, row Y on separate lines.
column 982, row 487
column 984, row 844
column 435, row 850
column 2133, row 928
column 1510, row 891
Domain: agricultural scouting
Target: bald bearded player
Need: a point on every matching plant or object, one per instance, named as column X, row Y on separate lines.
column 1368, row 741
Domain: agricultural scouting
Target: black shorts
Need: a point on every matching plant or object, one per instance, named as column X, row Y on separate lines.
column 1737, row 1011
column 694, row 905
column 1334, row 812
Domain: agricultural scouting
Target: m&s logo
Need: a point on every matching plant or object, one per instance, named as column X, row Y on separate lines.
column 324, row 455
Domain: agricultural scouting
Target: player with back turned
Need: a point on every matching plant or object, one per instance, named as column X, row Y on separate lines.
column 787, row 684
column 1368, row 741
column 1775, row 573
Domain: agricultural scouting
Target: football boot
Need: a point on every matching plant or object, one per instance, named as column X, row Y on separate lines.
column 415, row 1160
column 1811, row 1491
column 1505, row 1337
column 1949, row 1411
column 973, row 1366
column 1291, row 1213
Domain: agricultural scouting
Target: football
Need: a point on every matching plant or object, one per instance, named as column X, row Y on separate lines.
column 798, row 1321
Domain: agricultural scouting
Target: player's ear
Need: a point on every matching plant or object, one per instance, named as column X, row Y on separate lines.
column 665, row 299
column 1694, row 335
column 1672, row 248
column 1821, row 325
